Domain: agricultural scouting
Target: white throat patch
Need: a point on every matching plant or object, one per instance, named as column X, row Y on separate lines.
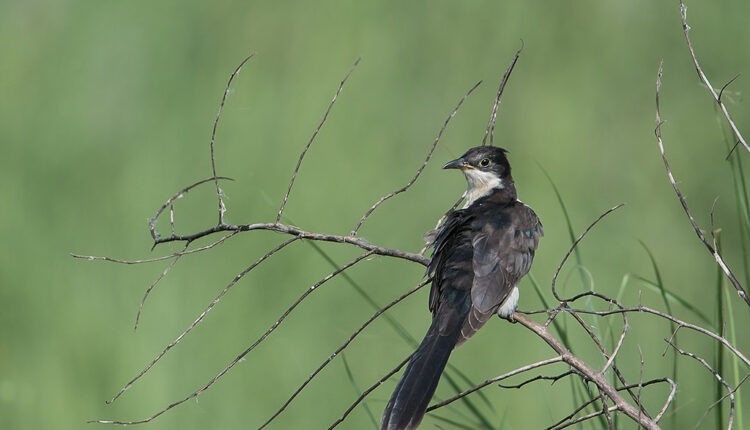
column 480, row 184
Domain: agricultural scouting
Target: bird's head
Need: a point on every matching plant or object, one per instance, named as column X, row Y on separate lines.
column 486, row 168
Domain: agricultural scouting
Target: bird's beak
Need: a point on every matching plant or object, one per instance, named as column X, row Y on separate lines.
column 459, row 163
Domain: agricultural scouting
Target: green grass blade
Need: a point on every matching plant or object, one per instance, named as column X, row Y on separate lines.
column 579, row 264
column 732, row 334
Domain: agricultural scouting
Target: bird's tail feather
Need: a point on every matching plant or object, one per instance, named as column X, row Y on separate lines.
column 408, row 403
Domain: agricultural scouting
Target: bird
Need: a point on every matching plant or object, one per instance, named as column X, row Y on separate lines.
column 480, row 253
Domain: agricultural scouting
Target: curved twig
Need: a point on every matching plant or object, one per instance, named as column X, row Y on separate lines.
column 309, row 142
column 215, row 178
column 594, row 376
column 702, row 76
column 493, row 115
column 342, row 347
column 421, row 168
column 368, row 391
column 195, row 323
column 244, row 353
column 490, row 381
column 720, row 261
column 572, row 247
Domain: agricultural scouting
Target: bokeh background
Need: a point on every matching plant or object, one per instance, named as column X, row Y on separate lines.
column 106, row 109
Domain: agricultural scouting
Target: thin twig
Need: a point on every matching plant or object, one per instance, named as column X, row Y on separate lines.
column 495, row 379
column 421, row 168
column 168, row 203
column 244, row 353
column 584, row 418
column 716, row 403
column 493, row 115
column 162, row 258
column 151, row 287
column 198, row 320
column 679, row 323
column 342, row 347
column 295, row 231
column 572, row 247
column 553, row 378
column 368, row 391
column 740, row 290
column 672, row 392
column 702, row 76
column 309, row 142
column 597, row 378
column 215, row 178
column 605, row 410
column 716, row 375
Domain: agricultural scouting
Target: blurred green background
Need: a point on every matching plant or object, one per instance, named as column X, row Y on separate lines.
column 106, row 109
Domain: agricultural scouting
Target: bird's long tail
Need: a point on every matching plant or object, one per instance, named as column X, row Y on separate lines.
column 408, row 403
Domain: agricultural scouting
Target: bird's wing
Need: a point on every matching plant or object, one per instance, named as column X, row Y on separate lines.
column 447, row 238
column 503, row 253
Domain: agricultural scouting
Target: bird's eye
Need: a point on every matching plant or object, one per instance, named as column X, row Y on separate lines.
column 485, row 162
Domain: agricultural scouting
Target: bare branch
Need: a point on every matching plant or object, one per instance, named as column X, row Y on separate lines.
column 597, row 378
column 493, row 115
column 215, row 178
column 605, row 410
column 553, row 378
column 716, row 375
column 195, row 323
column 250, row 348
column 672, row 392
column 679, row 322
column 162, row 258
column 151, row 287
column 584, row 418
column 740, row 290
column 297, row 232
column 368, row 391
column 342, row 347
column 716, row 403
column 572, row 247
column 309, row 142
column 702, row 76
column 496, row 379
column 421, row 168
column 168, row 203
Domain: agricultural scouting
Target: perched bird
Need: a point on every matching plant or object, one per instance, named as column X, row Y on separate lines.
column 480, row 253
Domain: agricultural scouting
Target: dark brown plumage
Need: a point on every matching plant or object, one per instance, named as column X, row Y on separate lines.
column 480, row 254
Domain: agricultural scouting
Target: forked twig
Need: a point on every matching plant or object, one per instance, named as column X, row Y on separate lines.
column 170, row 201
column 719, row 260
column 162, row 258
column 309, row 142
column 421, row 168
